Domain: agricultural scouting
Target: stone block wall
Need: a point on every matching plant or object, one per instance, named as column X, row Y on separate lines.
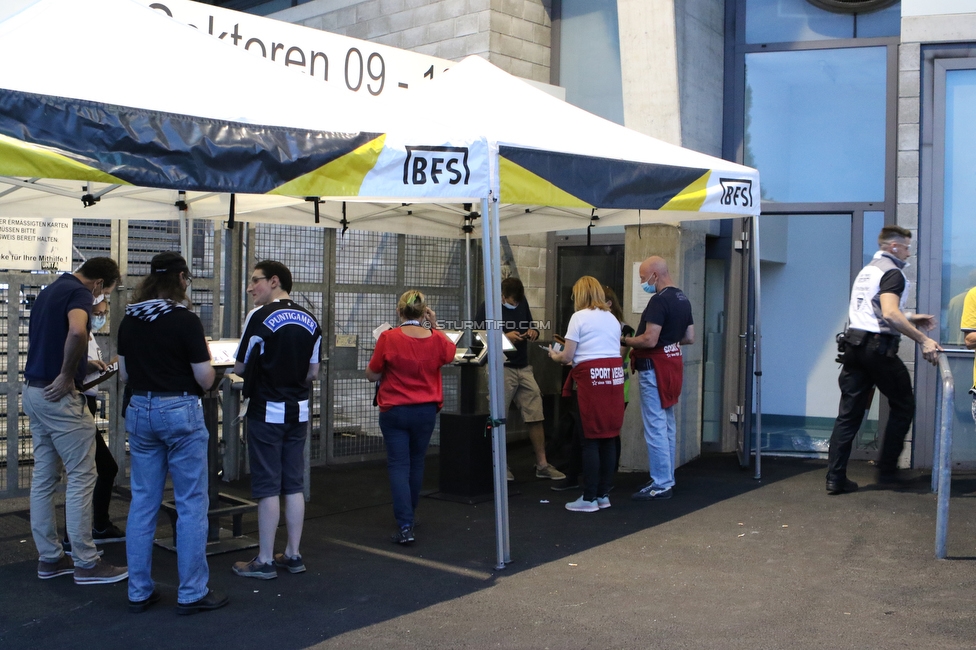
column 512, row 34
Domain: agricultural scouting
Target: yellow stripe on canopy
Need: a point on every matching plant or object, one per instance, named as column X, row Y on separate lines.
column 19, row 158
column 692, row 197
column 519, row 185
column 341, row 177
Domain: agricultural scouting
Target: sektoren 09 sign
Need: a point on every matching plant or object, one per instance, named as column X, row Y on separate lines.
column 358, row 66
column 35, row 244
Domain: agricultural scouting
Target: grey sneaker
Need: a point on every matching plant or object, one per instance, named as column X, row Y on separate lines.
column 48, row 570
column 582, row 505
column 511, row 477
column 603, row 502
column 102, row 573
column 293, row 564
column 256, row 569
column 548, row 471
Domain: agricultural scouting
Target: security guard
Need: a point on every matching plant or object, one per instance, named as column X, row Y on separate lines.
column 869, row 353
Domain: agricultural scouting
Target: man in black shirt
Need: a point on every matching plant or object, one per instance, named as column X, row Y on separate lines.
column 665, row 326
column 278, row 358
column 520, row 383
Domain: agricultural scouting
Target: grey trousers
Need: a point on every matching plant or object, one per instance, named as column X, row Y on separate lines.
column 63, row 432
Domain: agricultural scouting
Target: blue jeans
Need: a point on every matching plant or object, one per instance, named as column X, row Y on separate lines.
column 406, row 432
column 659, row 431
column 168, row 433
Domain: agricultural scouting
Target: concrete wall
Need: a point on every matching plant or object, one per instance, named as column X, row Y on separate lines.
column 512, row 34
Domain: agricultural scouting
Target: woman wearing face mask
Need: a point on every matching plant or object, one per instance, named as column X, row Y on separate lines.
column 103, row 530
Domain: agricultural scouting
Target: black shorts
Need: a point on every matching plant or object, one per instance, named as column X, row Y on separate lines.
column 277, row 457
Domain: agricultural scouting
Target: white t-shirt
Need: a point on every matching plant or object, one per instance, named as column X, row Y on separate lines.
column 597, row 335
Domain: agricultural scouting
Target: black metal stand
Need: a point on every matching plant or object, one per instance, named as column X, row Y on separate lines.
column 219, row 540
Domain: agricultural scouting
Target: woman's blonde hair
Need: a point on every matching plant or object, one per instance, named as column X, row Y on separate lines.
column 412, row 304
column 588, row 294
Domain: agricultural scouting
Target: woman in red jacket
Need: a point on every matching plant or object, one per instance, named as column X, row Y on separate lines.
column 593, row 348
column 407, row 364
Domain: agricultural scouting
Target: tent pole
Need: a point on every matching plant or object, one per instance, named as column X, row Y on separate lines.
column 758, row 343
column 496, row 389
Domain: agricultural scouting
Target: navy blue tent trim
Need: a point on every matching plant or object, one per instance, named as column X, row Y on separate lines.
column 166, row 150
column 605, row 182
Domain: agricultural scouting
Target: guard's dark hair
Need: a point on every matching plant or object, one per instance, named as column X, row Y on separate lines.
column 889, row 233
column 101, row 268
column 271, row 268
column 512, row 288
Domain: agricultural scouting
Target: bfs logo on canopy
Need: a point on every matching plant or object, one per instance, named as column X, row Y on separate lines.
column 736, row 192
column 436, row 165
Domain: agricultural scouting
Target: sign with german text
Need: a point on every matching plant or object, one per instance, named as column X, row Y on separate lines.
column 35, row 244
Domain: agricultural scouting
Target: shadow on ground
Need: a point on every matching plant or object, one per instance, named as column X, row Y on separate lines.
column 728, row 562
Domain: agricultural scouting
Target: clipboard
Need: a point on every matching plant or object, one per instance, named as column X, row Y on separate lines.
column 96, row 378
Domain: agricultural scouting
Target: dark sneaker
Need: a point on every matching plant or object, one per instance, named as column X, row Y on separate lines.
column 48, row 570
column 550, row 472
column 293, row 564
column 213, row 600
column 650, row 493
column 256, row 569
column 66, row 545
column 841, row 486
column 112, row 533
column 102, row 573
column 565, row 484
column 139, row 606
column 404, row 536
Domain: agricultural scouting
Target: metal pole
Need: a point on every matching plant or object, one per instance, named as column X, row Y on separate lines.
column 758, row 343
column 496, row 389
column 944, row 467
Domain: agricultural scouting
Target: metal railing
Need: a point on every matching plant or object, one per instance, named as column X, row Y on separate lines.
column 942, row 455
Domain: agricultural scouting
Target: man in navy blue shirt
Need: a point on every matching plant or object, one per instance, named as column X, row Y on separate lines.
column 62, row 428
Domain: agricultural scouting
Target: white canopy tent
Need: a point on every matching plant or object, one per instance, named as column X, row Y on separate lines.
column 177, row 137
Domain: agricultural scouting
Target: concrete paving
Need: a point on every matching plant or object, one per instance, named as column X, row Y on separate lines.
column 728, row 562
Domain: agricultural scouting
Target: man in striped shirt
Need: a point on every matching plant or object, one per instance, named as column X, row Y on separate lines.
column 278, row 358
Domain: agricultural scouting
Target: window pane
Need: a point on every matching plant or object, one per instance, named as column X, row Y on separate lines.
column 784, row 21
column 959, row 236
column 589, row 57
column 873, row 223
column 886, row 22
column 815, row 124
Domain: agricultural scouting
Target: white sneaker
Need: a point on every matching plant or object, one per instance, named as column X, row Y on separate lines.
column 603, row 502
column 581, row 505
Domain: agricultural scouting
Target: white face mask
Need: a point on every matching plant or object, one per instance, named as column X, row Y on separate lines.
column 98, row 322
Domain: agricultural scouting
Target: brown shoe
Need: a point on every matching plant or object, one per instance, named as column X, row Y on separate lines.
column 48, row 570
column 100, row 574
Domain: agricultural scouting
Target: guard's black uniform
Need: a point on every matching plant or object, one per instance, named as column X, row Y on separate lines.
column 870, row 360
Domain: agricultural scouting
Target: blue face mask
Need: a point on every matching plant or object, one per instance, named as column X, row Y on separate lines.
column 98, row 322
column 508, row 306
column 648, row 288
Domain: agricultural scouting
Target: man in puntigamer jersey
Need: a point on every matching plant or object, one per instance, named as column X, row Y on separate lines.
column 278, row 358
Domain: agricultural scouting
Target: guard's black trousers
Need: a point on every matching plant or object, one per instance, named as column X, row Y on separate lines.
column 864, row 369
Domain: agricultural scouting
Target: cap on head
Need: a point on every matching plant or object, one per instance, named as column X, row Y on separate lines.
column 169, row 262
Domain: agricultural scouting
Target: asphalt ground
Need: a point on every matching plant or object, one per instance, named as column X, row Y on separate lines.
column 728, row 562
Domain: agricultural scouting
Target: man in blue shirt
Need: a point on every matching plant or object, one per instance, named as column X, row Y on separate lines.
column 62, row 429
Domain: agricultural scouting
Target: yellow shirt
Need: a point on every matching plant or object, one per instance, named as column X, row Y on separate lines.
column 968, row 323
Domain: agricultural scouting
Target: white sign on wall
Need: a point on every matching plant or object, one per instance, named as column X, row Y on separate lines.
column 638, row 299
column 35, row 244
column 358, row 66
